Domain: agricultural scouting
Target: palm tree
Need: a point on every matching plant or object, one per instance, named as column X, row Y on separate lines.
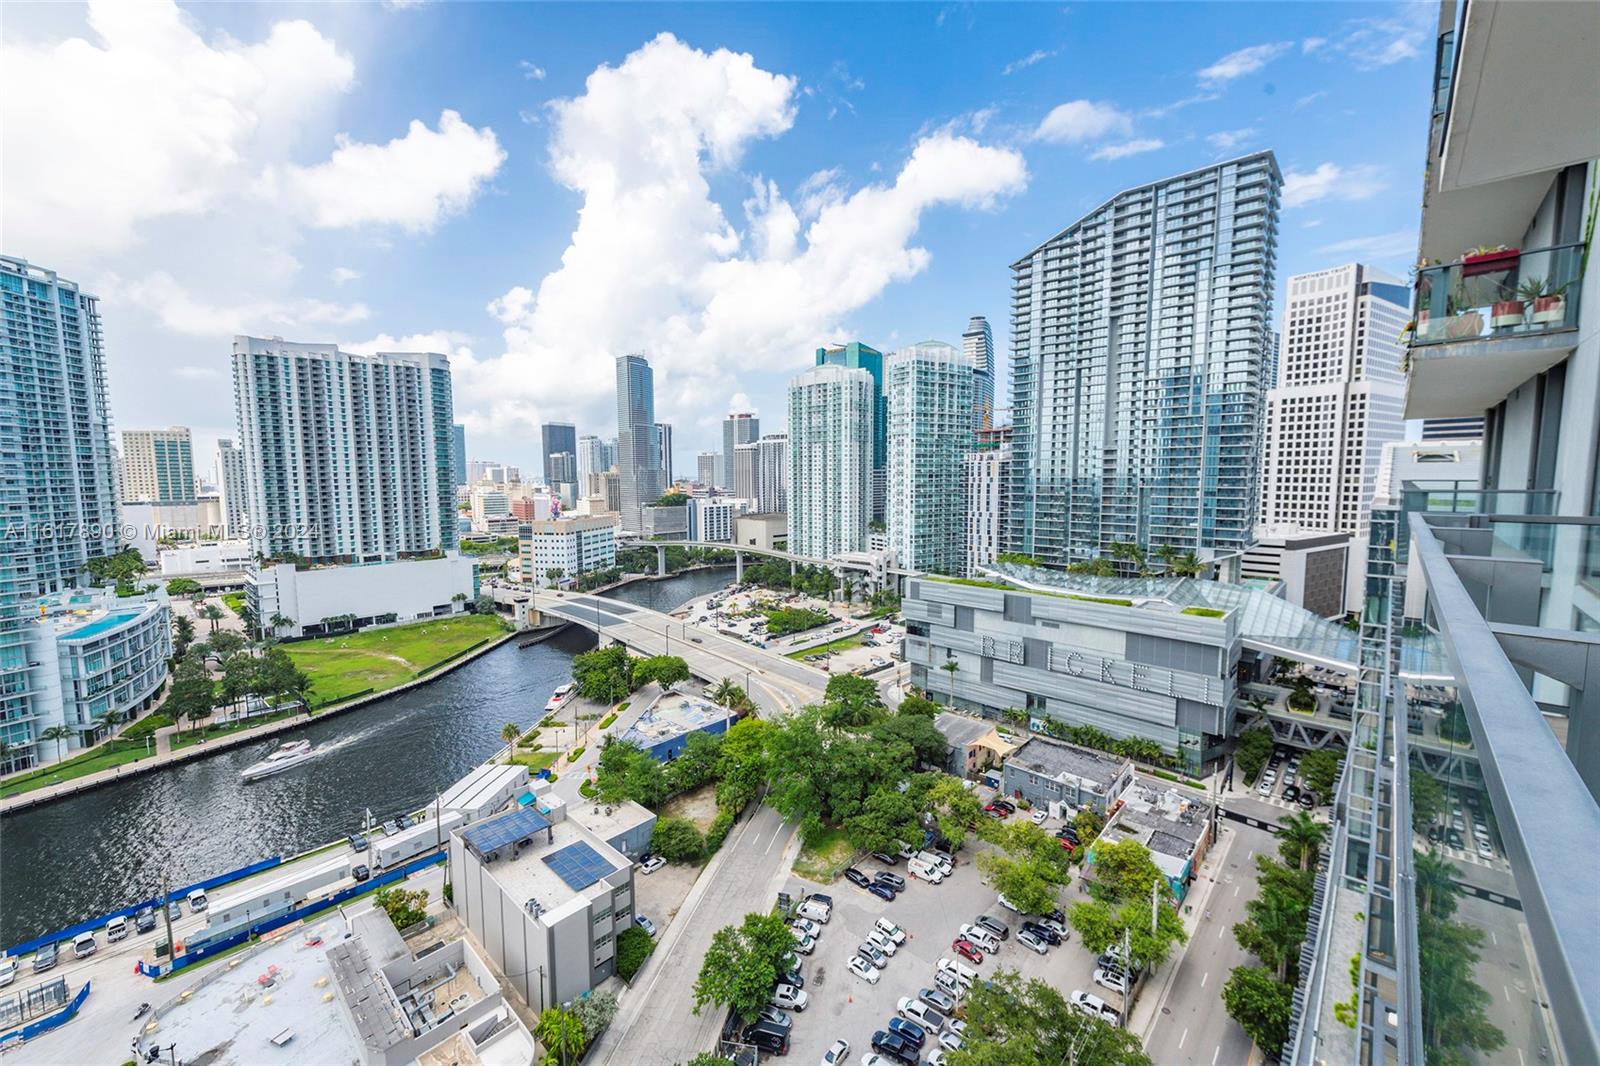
column 213, row 614
column 1436, row 883
column 727, row 694
column 509, row 733
column 278, row 621
column 58, row 733
column 1299, row 830
column 950, row 667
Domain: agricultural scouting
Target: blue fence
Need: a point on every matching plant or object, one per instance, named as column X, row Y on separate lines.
column 211, row 948
column 94, row 925
column 44, row 1025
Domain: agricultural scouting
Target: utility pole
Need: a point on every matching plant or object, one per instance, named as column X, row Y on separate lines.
column 1127, row 972
column 1155, row 901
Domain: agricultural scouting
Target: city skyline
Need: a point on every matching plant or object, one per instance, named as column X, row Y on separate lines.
column 1047, row 136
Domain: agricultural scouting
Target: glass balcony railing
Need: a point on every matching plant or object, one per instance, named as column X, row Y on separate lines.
column 1498, row 294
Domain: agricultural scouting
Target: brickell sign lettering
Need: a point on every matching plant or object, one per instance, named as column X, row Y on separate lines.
column 1136, row 676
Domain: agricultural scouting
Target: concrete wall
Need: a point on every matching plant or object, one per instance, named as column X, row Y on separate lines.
column 409, row 589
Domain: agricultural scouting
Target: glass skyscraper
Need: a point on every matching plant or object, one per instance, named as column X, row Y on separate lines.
column 638, row 440
column 978, row 344
column 557, row 437
column 930, row 432
column 737, row 429
column 1138, row 340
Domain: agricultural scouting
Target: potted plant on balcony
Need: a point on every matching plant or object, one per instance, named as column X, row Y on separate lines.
column 1486, row 260
column 1549, row 301
column 1508, row 311
column 1465, row 319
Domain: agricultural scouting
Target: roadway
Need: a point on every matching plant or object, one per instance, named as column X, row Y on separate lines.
column 778, row 685
column 656, row 1024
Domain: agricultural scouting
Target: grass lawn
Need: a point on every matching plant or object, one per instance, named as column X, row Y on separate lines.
column 379, row 659
column 833, row 646
column 536, row 760
column 826, row 859
column 117, row 753
column 234, row 600
column 191, row 733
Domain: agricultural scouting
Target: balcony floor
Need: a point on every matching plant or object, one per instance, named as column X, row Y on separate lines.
column 1467, row 377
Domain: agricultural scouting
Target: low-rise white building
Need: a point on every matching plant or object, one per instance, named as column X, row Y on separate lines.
column 1314, row 565
column 571, row 545
column 711, row 518
column 207, row 557
column 339, row 599
column 489, row 504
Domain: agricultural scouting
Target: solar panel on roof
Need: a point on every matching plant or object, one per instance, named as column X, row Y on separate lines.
column 578, row 865
column 504, row 830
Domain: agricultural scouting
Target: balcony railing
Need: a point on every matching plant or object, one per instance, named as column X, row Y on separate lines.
column 1499, row 294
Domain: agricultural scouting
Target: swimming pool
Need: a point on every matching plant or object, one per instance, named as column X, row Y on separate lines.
column 95, row 628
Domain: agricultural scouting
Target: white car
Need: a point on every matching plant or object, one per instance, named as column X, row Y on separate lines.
column 1484, row 850
column 863, row 969
column 872, row 1059
column 878, row 940
column 1094, row 1006
column 805, row 927
column 1008, row 905
column 950, row 984
column 788, row 997
column 950, row 1041
column 836, row 1054
column 1264, row 789
column 1112, row 979
column 805, row 945
column 956, row 1026
column 890, row 930
column 980, row 936
column 1039, row 815
column 652, row 864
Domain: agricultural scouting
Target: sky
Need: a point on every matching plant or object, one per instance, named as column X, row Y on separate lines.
column 534, row 190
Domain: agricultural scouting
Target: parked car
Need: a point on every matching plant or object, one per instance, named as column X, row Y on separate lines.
column 965, row 973
column 1113, row 979
column 914, row 1034
column 1291, row 794
column 805, row 945
column 893, row 1046
column 1485, row 851
column 645, row 923
column 1055, row 925
column 8, row 971
column 1265, row 788
column 980, row 936
column 882, row 943
column 863, row 969
column 966, row 949
column 950, row 984
column 882, row 891
column 174, row 910
column 873, row 954
column 885, row 858
column 994, row 925
column 856, row 877
column 890, row 930
column 391, row 827
column 1095, row 1007
column 766, row 1037
column 1043, row 932
column 1068, row 832
column 919, row 1012
column 938, row 999
column 45, row 958
column 144, row 920
column 1307, row 800
column 1008, row 905
column 820, row 898
column 806, row 927
column 793, row 974
column 837, row 1054
column 894, row 881
column 774, row 1016
column 999, row 809
column 651, row 863
column 357, row 842
column 788, row 997
column 116, row 929
column 84, row 945
column 406, row 821
column 1032, row 941
column 1039, row 815
column 814, row 911
column 950, row 1041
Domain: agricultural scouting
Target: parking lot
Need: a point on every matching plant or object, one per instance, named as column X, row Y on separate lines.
column 843, row 1005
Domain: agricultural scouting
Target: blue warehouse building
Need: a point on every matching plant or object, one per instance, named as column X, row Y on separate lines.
column 664, row 729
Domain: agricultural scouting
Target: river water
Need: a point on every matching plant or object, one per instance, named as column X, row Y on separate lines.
column 95, row 852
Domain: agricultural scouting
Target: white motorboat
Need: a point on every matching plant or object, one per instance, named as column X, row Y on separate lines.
column 289, row 755
column 560, row 698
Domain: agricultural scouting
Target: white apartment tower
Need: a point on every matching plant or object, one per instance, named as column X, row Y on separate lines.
column 1338, row 398
column 929, row 400
column 638, row 440
column 705, row 468
column 747, row 470
column 830, row 460
column 157, row 465
column 1138, row 340
column 232, row 488
column 347, row 457
column 986, row 472
column 772, row 474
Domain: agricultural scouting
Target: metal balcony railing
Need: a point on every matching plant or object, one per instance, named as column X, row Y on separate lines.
column 1499, row 294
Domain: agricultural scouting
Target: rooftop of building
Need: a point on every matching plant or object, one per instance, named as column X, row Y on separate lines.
column 550, row 862
column 79, row 614
column 1168, row 819
column 959, row 730
column 1056, row 759
column 610, row 821
column 672, row 715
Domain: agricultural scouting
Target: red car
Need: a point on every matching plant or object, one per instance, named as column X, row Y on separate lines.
column 999, row 809
column 1068, row 846
column 967, row 950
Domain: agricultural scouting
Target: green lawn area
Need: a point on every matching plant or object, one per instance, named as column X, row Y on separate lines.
column 117, row 753
column 234, row 600
column 833, row 646
column 379, row 659
column 191, row 734
column 826, row 859
column 536, row 760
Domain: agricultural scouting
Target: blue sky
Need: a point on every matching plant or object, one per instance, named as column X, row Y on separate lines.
column 766, row 178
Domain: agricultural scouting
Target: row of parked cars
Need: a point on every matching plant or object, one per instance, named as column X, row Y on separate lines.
column 1293, row 792
column 117, row 928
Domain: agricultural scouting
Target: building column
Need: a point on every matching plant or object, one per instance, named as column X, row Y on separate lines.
column 661, row 560
column 792, row 567
column 738, row 567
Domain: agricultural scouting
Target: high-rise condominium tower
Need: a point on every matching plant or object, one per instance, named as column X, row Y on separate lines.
column 157, row 465
column 930, row 432
column 591, row 460
column 747, row 472
column 664, row 445
column 348, row 458
column 1136, row 370
column 978, row 344
column 231, row 486
column 858, row 356
column 737, row 429
column 987, row 470
column 1337, row 400
column 772, row 473
column 705, row 468
column 638, row 442
column 557, row 437
column 458, row 453
column 830, row 460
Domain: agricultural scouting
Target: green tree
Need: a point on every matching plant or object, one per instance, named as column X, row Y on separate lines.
column 742, row 763
column 664, row 670
column 124, row 566
column 1260, row 1004
column 561, row 1034
column 1088, row 822
column 728, row 694
column 706, row 1058
column 1124, row 870
column 920, row 706
column 742, row 964
column 1028, row 871
column 1276, row 922
column 1011, row 1021
column 854, row 691
column 624, row 771
column 211, row 613
column 604, row 675
column 1455, row 1015
column 677, row 840
column 1319, row 769
column 887, row 819
column 59, row 735
column 404, row 907
column 182, row 586
column 951, row 667
column 182, row 635
column 1300, row 838
column 954, row 808
column 1427, row 797
column 928, row 746
column 191, row 693
column 510, row 732
column 596, row 1010
column 1252, row 751
column 696, row 764
column 1436, row 883
column 634, row 946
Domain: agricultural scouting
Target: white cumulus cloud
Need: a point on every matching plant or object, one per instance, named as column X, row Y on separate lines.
column 656, row 265
column 1330, row 181
column 1082, row 120
column 412, row 182
column 1137, row 146
column 340, row 275
column 1244, row 61
column 143, row 118
column 1227, row 140
column 183, row 312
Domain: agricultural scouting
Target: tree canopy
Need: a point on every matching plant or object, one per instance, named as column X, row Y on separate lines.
column 743, row 963
column 1012, row 1021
